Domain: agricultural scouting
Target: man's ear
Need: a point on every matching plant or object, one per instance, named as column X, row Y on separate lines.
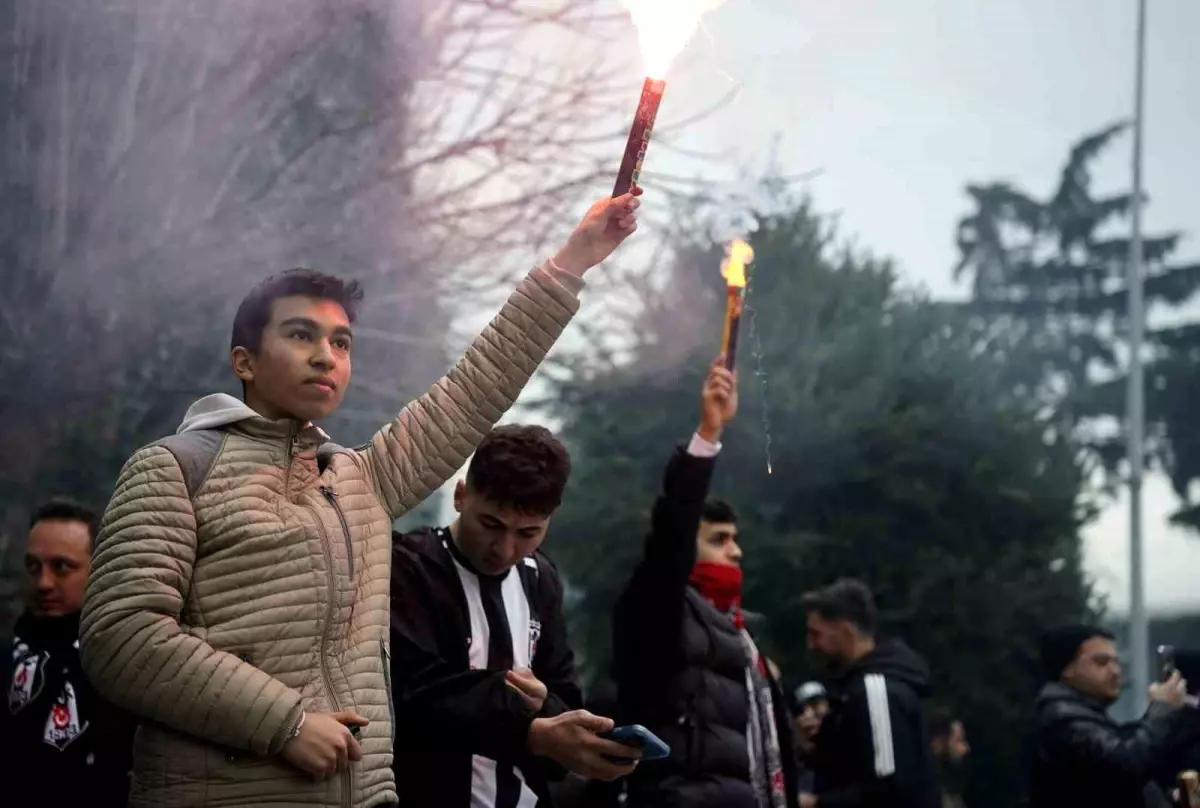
column 849, row 633
column 243, row 363
column 460, row 495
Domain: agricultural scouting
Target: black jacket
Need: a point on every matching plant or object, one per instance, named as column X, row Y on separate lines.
column 446, row 712
column 57, row 736
column 1083, row 757
column 873, row 748
column 680, row 665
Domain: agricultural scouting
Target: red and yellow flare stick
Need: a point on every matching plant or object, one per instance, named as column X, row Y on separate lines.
column 639, row 136
column 733, row 269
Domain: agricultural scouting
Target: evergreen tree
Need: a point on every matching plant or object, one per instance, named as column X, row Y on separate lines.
column 1052, row 274
column 900, row 454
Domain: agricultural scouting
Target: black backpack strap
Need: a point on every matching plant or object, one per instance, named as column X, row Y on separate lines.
column 195, row 452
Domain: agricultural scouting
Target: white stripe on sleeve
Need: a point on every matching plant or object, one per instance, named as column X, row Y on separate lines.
column 881, row 724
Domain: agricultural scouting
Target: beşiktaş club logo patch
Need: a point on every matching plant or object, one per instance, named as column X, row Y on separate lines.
column 535, row 633
column 29, row 675
column 62, row 725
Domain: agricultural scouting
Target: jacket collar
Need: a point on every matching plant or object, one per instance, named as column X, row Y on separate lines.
column 1065, row 694
column 47, row 632
column 302, row 437
column 223, row 411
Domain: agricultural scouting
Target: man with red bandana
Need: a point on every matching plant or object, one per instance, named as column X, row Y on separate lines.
column 684, row 663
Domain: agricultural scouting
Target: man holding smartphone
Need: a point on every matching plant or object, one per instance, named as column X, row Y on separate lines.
column 484, row 678
column 1082, row 756
column 685, row 665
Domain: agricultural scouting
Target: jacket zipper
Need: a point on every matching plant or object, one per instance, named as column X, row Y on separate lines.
column 293, row 446
column 331, row 496
column 326, row 676
column 331, row 586
column 387, row 679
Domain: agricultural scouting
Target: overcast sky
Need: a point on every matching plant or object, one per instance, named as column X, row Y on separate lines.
column 900, row 103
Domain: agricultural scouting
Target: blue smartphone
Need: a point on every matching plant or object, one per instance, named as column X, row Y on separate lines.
column 651, row 745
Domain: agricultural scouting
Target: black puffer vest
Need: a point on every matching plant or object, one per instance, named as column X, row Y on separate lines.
column 703, row 718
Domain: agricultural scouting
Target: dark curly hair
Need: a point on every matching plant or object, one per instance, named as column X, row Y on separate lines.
column 521, row 467
column 255, row 310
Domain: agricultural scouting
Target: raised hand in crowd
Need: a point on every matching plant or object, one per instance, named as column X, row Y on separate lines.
column 718, row 400
column 1173, row 691
column 573, row 741
column 324, row 744
column 608, row 222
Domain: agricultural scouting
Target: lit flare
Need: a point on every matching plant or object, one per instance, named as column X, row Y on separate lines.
column 733, row 269
column 664, row 28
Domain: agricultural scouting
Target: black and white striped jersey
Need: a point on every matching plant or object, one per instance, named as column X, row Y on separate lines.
column 461, row 731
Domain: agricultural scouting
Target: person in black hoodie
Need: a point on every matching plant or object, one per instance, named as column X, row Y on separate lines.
column 684, row 663
column 873, row 748
column 1082, row 756
column 487, row 697
column 55, row 731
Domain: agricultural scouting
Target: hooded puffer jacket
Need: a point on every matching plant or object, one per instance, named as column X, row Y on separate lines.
column 226, row 600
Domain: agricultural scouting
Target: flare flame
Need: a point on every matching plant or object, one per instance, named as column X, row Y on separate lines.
column 664, row 28
column 733, row 269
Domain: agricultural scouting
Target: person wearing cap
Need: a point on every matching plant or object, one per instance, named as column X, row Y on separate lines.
column 810, row 704
column 1082, row 757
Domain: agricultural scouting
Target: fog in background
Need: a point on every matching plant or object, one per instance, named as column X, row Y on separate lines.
column 900, row 105
column 435, row 149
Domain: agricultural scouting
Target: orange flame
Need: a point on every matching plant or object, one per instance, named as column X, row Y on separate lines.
column 664, row 28
column 733, row 269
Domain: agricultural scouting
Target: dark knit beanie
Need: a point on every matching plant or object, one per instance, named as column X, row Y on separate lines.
column 1060, row 645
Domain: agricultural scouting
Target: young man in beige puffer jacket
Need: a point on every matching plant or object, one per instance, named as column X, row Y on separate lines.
column 238, row 598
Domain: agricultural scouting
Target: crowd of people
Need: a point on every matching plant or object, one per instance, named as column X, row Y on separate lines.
column 244, row 627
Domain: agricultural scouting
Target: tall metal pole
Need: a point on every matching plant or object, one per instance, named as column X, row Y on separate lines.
column 1139, row 641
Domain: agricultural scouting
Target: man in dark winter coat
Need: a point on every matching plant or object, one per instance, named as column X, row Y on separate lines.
column 685, row 665
column 873, row 748
column 1082, row 756
column 68, row 745
column 487, row 698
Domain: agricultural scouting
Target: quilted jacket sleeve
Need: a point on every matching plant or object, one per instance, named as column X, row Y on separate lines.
column 433, row 436
column 131, row 645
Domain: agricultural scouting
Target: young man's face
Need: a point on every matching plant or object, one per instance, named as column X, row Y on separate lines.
column 302, row 366
column 1096, row 670
column 495, row 538
column 716, row 543
column 58, row 558
column 831, row 640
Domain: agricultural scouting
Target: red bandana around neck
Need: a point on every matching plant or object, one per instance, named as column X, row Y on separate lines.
column 720, row 584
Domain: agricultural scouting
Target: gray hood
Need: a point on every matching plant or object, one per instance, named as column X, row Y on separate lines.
column 217, row 410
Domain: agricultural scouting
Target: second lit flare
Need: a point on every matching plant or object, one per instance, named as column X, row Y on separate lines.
column 733, row 269
column 664, row 28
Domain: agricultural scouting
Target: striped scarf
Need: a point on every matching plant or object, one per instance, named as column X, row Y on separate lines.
column 762, row 736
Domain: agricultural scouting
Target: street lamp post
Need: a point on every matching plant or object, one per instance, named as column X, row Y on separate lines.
column 1139, row 641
